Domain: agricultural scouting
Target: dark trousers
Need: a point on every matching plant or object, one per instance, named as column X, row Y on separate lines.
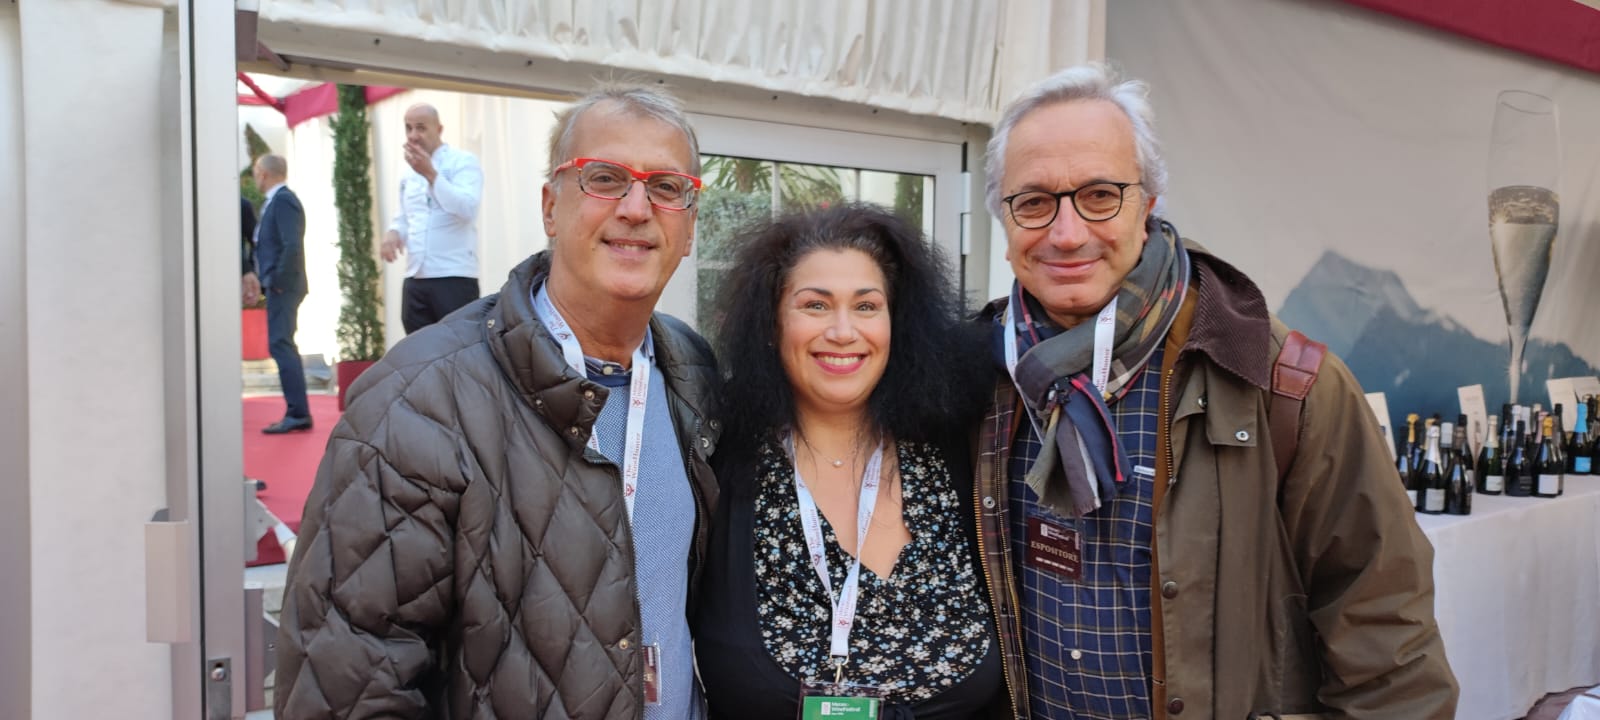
column 283, row 315
column 428, row 300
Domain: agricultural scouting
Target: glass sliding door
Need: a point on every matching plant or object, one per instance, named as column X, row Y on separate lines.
column 740, row 192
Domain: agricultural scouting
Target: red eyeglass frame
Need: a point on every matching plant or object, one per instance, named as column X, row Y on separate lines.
column 643, row 177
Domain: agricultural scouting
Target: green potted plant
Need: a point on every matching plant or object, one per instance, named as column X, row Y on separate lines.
column 360, row 329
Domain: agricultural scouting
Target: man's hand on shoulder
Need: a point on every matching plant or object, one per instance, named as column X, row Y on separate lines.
column 393, row 246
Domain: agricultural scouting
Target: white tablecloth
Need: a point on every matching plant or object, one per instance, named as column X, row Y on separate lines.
column 1519, row 597
column 1584, row 707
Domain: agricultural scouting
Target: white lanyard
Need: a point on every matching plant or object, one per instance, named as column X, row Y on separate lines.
column 638, row 392
column 844, row 609
column 1105, row 329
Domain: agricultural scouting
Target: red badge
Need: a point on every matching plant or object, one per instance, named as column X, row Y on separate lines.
column 652, row 674
column 1055, row 548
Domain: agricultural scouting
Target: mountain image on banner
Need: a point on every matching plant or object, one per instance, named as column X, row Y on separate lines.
column 1414, row 355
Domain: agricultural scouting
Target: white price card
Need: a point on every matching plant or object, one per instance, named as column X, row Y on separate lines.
column 1379, row 403
column 1562, row 392
column 1583, row 387
column 1477, row 412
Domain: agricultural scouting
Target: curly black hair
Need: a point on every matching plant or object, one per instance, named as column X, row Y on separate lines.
column 938, row 374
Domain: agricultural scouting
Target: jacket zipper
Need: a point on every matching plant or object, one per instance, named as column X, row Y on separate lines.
column 701, row 520
column 1008, row 580
column 633, row 581
column 703, row 512
column 1166, row 419
column 1172, row 474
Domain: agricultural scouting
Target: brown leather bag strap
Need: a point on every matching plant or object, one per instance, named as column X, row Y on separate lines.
column 1292, row 376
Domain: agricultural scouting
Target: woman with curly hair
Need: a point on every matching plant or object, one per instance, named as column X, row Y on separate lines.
column 843, row 566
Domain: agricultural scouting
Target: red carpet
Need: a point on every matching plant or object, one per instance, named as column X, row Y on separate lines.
column 286, row 463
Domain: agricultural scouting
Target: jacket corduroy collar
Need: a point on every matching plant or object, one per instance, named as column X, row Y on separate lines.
column 1230, row 325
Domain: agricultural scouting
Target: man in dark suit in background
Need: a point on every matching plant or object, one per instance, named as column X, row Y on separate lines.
column 281, row 269
column 250, row 284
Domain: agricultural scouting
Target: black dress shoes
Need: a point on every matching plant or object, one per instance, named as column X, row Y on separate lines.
column 288, row 425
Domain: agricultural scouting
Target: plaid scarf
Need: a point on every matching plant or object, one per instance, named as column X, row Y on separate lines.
column 1079, row 460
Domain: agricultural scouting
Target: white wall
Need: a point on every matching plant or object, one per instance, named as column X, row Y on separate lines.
column 93, row 313
column 16, row 606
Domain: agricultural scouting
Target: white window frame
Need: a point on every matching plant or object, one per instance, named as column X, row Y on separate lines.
column 780, row 142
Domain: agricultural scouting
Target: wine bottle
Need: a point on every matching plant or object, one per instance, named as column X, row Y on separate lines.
column 1519, row 465
column 1594, row 435
column 1559, row 449
column 1458, row 478
column 1464, row 451
column 1491, row 468
column 1447, row 446
column 1550, row 479
column 1433, row 473
column 1407, row 465
column 1579, row 458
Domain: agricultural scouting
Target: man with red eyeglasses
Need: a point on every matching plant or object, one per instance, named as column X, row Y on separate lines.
column 511, row 516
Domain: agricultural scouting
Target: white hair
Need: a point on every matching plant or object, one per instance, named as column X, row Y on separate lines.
column 1090, row 81
column 637, row 99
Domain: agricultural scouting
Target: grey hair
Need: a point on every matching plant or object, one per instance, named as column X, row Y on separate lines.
column 274, row 164
column 635, row 99
column 1090, row 81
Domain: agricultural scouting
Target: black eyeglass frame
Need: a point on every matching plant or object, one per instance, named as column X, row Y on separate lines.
column 1122, row 199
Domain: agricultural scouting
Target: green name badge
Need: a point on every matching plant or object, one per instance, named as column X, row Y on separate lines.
column 853, row 708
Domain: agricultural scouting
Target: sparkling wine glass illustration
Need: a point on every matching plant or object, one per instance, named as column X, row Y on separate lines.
column 1524, row 208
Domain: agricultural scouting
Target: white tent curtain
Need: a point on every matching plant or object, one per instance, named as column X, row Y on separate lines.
column 952, row 59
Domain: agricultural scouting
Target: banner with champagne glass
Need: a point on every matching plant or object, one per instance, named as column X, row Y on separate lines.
column 1426, row 205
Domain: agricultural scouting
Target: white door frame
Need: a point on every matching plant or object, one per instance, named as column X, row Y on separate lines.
column 212, row 498
column 206, row 492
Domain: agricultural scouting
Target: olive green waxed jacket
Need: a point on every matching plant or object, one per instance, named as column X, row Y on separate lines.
column 1309, row 595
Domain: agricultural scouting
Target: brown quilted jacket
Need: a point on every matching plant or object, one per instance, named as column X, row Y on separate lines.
column 458, row 557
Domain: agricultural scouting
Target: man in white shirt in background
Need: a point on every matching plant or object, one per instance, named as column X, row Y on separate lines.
column 439, row 199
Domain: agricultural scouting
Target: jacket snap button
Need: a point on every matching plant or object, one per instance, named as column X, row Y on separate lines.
column 1077, row 654
column 491, row 322
column 1176, row 706
column 715, row 424
column 1241, row 436
column 1201, row 400
column 705, row 442
column 1169, row 590
column 538, row 402
column 588, row 394
column 573, row 431
column 988, row 502
column 624, row 644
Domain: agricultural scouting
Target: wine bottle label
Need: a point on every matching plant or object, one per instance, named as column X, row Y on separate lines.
column 1494, row 483
column 1549, row 484
column 1583, row 465
column 1434, row 501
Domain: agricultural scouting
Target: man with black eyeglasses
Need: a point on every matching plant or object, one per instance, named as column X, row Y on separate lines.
column 510, row 516
column 1188, row 508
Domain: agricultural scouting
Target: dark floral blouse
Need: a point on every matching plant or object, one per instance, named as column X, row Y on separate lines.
column 918, row 632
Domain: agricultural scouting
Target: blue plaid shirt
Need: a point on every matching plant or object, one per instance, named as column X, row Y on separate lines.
column 1088, row 642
